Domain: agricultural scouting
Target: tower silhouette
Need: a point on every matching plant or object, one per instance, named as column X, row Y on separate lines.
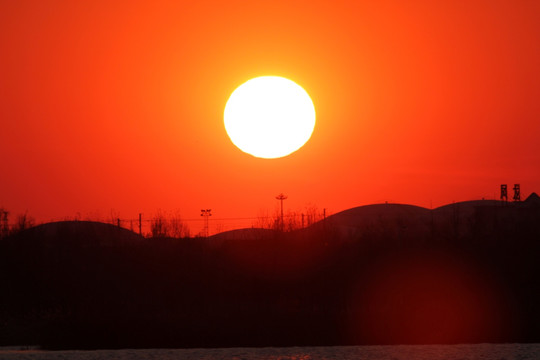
column 517, row 192
column 504, row 192
column 281, row 197
column 206, row 213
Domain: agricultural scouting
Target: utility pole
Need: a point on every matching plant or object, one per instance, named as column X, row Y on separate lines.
column 281, row 197
column 206, row 213
column 140, row 224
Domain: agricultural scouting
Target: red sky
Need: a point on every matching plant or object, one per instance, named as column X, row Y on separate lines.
column 119, row 105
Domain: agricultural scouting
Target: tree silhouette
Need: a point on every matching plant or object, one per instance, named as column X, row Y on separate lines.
column 23, row 222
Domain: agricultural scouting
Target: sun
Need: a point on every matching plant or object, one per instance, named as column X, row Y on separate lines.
column 269, row 117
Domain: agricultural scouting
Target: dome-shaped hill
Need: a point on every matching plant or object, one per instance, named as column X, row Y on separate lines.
column 243, row 234
column 468, row 207
column 461, row 214
column 368, row 214
column 407, row 220
column 83, row 233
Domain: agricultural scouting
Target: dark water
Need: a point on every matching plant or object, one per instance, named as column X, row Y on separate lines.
column 394, row 352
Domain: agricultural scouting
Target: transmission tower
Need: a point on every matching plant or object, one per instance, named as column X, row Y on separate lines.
column 4, row 227
column 206, row 213
column 517, row 192
column 504, row 193
column 281, row 197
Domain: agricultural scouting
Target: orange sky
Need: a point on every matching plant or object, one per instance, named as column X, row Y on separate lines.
column 120, row 106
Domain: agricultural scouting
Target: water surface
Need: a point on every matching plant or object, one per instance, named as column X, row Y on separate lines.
column 392, row 352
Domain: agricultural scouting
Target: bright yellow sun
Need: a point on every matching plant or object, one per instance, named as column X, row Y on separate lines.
column 269, row 117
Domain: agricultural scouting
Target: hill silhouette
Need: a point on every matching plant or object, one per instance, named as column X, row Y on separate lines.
column 83, row 233
column 245, row 234
column 376, row 274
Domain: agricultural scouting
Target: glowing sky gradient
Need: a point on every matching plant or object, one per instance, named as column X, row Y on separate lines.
column 119, row 105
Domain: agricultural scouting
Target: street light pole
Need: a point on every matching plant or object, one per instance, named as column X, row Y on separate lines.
column 281, row 197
